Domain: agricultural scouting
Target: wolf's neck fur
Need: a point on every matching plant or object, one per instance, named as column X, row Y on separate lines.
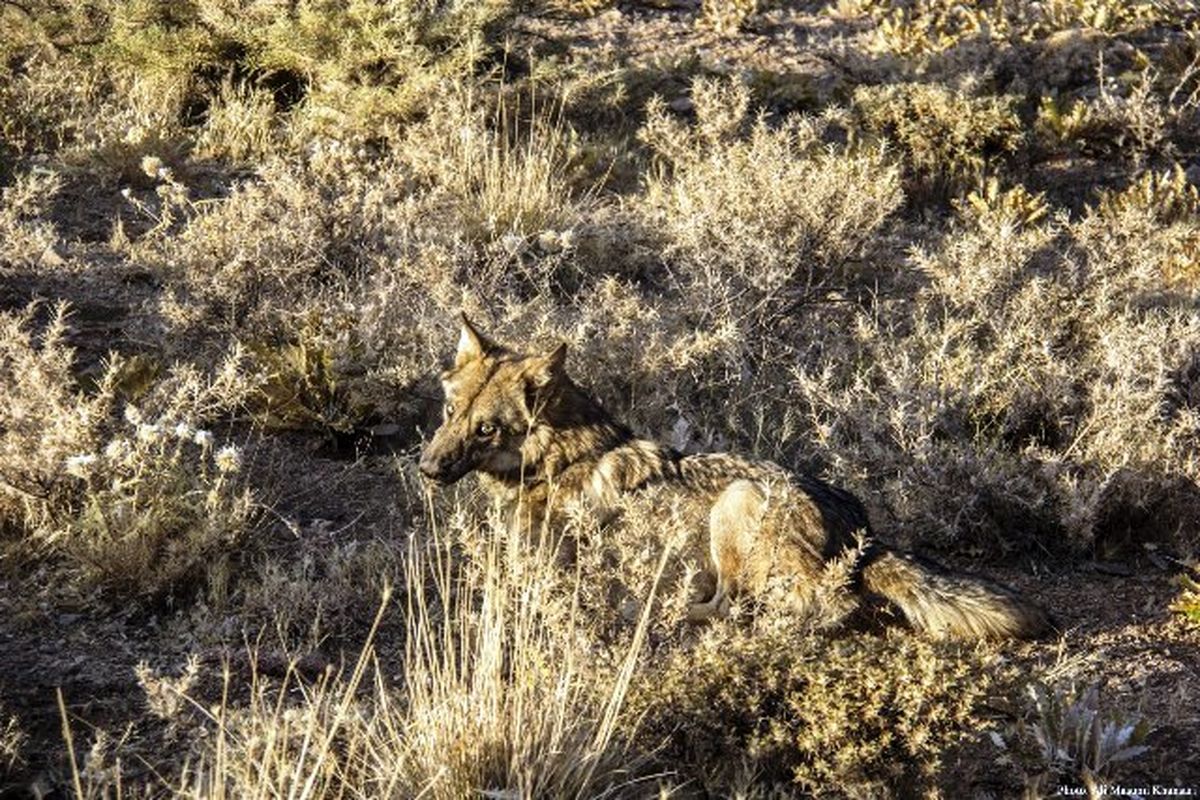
column 570, row 429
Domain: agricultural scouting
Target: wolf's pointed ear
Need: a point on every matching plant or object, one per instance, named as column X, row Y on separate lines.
column 545, row 370
column 471, row 343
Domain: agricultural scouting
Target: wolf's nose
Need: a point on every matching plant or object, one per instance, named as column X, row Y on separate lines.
column 429, row 467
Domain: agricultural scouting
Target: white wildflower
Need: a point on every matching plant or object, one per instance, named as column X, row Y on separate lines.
column 132, row 415
column 549, row 242
column 148, row 432
column 228, row 459
column 512, row 243
column 203, row 438
column 118, row 450
column 80, row 465
column 151, row 166
column 184, row 431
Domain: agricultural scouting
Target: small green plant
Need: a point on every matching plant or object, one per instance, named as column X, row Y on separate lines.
column 934, row 26
column 1164, row 196
column 1074, row 734
column 1104, row 15
column 301, row 387
column 1061, row 121
column 727, row 16
column 1187, row 603
column 989, row 205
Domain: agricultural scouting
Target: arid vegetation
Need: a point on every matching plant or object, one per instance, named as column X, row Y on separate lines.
column 946, row 255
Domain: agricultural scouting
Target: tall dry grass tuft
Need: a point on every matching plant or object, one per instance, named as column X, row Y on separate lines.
column 509, row 168
column 498, row 693
column 504, row 694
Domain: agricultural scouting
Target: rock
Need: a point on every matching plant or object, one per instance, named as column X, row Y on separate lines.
column 681, row 105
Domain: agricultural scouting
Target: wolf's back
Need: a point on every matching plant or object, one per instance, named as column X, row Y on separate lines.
column 950, row 605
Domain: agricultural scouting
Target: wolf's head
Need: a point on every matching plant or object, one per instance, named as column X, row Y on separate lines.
column 495, row 400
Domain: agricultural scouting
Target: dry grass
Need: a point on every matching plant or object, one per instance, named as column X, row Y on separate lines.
column 498, row 694
column 232, row 245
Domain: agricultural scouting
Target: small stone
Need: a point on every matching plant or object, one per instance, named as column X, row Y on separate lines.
column 681, row 105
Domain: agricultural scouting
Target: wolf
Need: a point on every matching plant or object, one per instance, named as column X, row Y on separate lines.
column 539, row 443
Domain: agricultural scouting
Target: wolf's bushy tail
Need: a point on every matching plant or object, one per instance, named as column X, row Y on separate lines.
column 950, row 605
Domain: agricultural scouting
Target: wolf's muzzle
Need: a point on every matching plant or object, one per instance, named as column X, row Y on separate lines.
column 438, row 470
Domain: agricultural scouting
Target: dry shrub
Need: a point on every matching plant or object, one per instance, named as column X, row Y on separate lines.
column 264, row 243
column 107, row 125
column 860, row 714
column 948, row 138
column 1041, row 393
column 240, row 126
column 29, row 239
column 775, row 210
column 892, row 417
column 330, row 587
column 142, row 506
column 346, row 70
column 103, row 84
column 760, row 223
column 161, row 508
column 42, row 103
column 508, row 175
column 44, row 419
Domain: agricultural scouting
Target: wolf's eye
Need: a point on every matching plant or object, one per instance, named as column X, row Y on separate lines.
column 486, row 429
column 449, row 409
